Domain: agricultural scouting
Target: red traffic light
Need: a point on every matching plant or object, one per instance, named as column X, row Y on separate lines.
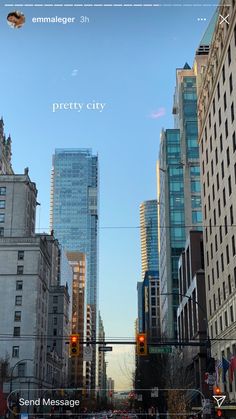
column 217, row 390
column 141, row 338
column 219, row 413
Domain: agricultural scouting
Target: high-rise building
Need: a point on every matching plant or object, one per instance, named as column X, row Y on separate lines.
column 77, row 262
column 217, row 142
column 148, row 230
column 5, row 152
column 148, row 307
column 179, row 192
column 74, row 217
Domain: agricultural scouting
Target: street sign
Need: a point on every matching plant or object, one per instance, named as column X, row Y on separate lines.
column 88, row 353
column 160, row 349
column 105, row 348
column 154, row 392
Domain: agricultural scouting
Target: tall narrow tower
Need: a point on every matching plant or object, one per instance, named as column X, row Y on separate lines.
column 74, row 217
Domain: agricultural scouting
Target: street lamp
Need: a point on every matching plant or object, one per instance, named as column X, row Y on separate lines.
column 14, row 366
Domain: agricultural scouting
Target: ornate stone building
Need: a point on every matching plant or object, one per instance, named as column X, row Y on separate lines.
column 5, row 152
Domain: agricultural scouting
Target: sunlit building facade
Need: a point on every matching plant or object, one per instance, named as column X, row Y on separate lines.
column 148, row 231
column 179, row 192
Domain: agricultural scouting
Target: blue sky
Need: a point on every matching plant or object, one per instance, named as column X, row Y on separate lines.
column 126, row 58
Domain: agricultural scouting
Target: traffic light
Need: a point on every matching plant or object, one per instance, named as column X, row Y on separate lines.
column 218, row 413
column 74, row 345
column 217, row 390
column 141, row 344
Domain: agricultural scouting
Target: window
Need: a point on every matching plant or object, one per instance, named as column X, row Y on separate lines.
column 2, row 218
column 214, row 106
column 231, row 314
column 218, row 91
column 217, row 181
column 17, row 316
column 2, row 204
column 225, row 101
column 229, row 284
column 215, row 132
column 219, row 208
column 217, row 269
column 216, row 243
column 234, row 141
column 223, row 73
column 214, row 301
column 233, row 247
column 2, row 191
column 196, row 217
column 216, row 328
column 229, row 55
column 216, row 156
column 228, row 157
column 20, row 270
column 210, row 309
column 230, row 83
column 54, row 332
column 222, row 262
column 219, row 298
column 224, row 197
column 227, row 254
column 224, row 291
column 19, row 285
column 16, row 331
column 1, row 231
column 221, row 324
column 220, row 233
column 18, row 300
column 54, row 309
column 221, row 142
column 21, row 369
column 231, row 215
column 220, row 119
column 55, row 320
column 229, row 185
column 226, row 128
column 226, row 225
column 15, row 351
column 21, row 255
column 222, row 170
column 226, row 319
column 232, row 112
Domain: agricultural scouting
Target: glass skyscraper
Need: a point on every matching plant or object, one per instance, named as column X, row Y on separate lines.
column 148, row 231
column 179, row 192
column 74, row 215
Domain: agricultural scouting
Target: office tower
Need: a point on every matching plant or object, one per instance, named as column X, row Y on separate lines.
column 217, row 143
column 28, row 269
column 5, row 151
column 77, row 262
column 148, row 231
column 179, row 192
column 74, row 217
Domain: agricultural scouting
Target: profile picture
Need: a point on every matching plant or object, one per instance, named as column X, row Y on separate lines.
column 16, row 19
